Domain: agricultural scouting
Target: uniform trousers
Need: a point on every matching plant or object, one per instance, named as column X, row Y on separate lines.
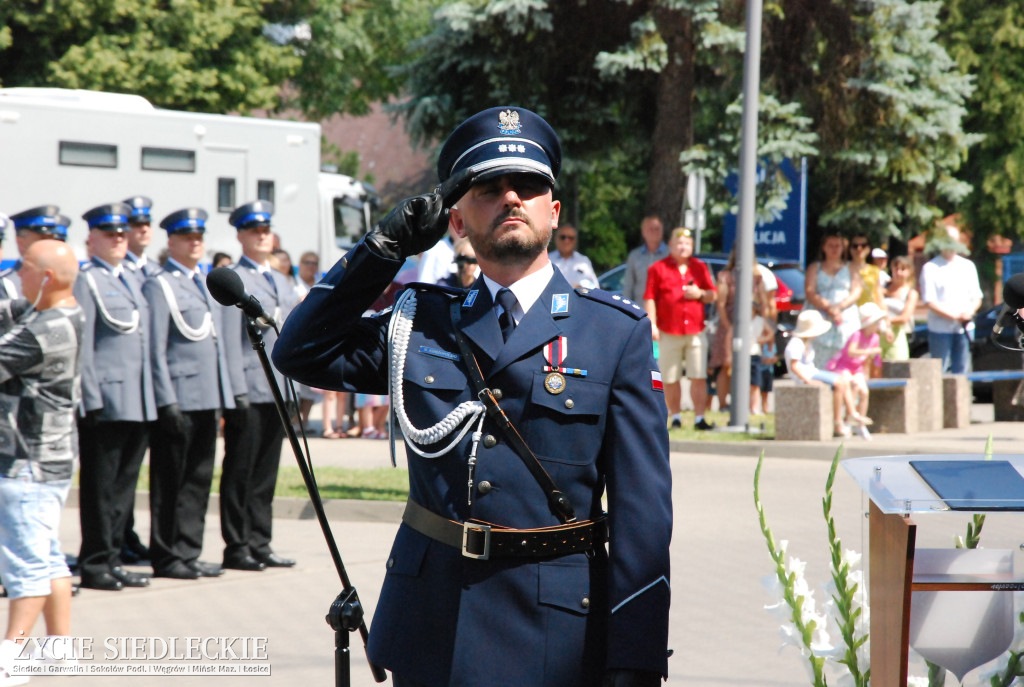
column 111, row 454
column 180, row 474
column 252, row 453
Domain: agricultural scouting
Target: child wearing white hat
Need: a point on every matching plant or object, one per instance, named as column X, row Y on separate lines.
column 862, row 344
column 799, row 357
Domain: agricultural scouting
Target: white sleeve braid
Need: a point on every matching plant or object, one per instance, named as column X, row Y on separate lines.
column 399, row 332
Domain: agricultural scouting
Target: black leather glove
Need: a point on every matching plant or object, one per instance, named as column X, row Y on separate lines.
column 417, row 223
column 170, row 419
column 630, row 678
column 242, row 402
column 91, row 418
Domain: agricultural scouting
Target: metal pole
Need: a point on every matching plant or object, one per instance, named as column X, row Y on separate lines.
column 739, row 410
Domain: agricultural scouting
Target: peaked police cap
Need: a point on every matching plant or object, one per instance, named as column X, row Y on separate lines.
column 185, row 221
column 110, row 217
column 45, row 219
column 254, row 214
column 501, row 140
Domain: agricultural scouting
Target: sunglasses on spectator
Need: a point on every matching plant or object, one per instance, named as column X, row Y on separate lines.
column 860, row 244
column 566, row 237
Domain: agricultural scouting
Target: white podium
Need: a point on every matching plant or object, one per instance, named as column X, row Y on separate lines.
column 900, row 487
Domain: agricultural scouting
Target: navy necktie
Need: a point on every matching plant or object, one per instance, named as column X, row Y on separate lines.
column 270, row 278
column 507, row 300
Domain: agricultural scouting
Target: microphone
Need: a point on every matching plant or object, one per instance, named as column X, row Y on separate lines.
column 1013, row 300
column 227, row 289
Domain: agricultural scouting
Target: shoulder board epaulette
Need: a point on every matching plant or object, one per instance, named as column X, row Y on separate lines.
column 86, row 266
column 627, row 306
column 436, row 288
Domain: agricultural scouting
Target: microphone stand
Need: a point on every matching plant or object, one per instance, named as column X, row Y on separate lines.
column 346, row 612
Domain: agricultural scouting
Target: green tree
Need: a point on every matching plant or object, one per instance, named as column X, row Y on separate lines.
column 985, row 39
column 201, row 55
column 907, row 139
column 349, row 50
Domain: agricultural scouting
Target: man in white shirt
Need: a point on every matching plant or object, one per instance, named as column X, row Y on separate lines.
column 952, row 294
column 642, row 257
column 574, row 266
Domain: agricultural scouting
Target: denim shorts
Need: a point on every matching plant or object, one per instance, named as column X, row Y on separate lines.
column 30, row 554
column 826, row 376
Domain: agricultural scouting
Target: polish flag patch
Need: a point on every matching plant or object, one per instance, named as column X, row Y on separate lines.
column 656, row 381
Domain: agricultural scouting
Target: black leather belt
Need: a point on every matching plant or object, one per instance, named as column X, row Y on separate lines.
column 484, row 540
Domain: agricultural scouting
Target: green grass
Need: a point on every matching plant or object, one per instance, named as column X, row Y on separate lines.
column 688, row 433
column 390, row 484
column 373, row 484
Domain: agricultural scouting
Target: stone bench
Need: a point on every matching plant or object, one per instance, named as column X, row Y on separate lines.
column 927, row 375
column 1004, row 388
column 893, row 405
column 803, row 412
column 956, row 401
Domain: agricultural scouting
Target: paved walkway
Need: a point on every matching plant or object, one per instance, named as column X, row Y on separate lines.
column 719, row 630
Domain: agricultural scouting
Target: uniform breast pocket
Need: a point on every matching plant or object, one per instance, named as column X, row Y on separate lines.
column 433, row 388
column 567, row 426
column 185, row 368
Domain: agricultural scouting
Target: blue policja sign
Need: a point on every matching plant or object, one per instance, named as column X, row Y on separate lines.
column 785, row 238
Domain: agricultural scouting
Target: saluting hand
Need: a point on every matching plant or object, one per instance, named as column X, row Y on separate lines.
column 417, row 223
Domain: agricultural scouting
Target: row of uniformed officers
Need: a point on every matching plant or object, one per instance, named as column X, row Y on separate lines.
column 161, row 363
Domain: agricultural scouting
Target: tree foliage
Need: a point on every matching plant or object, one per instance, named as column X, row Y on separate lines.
column 986, row 39
column 201, row 55
column 907, row 139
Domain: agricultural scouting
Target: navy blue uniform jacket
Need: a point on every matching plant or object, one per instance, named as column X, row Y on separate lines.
column 444, row 619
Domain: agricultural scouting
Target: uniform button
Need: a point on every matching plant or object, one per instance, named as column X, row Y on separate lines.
column 484, row 487
column 391, row 563
column 569, row 403
column 429, row 379
column 497, row 394
column 490, row 441
column 585, row 602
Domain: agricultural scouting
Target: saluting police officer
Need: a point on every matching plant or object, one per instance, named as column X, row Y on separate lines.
column 43, row 222
column 522, row 402
column 117, row 398
column 190, row 378
column 252, row 431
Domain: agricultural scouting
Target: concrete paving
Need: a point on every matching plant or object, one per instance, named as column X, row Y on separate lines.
column 720, row 631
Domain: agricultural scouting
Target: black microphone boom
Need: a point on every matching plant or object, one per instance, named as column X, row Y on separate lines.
column 1013, row 300
column 227, row 289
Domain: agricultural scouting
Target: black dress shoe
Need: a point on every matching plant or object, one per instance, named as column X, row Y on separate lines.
column 244, row 563
column 176, row 570
column 205, row 569
column 272, row 560
column 128, row 578
column 134, row 554
column 104, row 581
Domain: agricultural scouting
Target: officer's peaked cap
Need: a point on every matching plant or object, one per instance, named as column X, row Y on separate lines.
column 501, row 140
column 109, row 217
column 185, row 221
column 142, row 209
column 254, row 214
column 45, row 219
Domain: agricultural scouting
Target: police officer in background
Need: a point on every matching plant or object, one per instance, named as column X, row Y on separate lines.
column 140, row 234
column 252, row 431
column 117, row 398
column 190, row 378
column 500, row 566
column 7, row 289
column 43, row 222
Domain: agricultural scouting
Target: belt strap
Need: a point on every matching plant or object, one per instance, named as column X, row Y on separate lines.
column 483, row 540
column 557, row 501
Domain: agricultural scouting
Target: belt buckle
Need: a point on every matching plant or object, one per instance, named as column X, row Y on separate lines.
column 486, row 529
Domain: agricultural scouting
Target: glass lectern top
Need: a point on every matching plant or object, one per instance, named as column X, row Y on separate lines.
column 966, row 482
